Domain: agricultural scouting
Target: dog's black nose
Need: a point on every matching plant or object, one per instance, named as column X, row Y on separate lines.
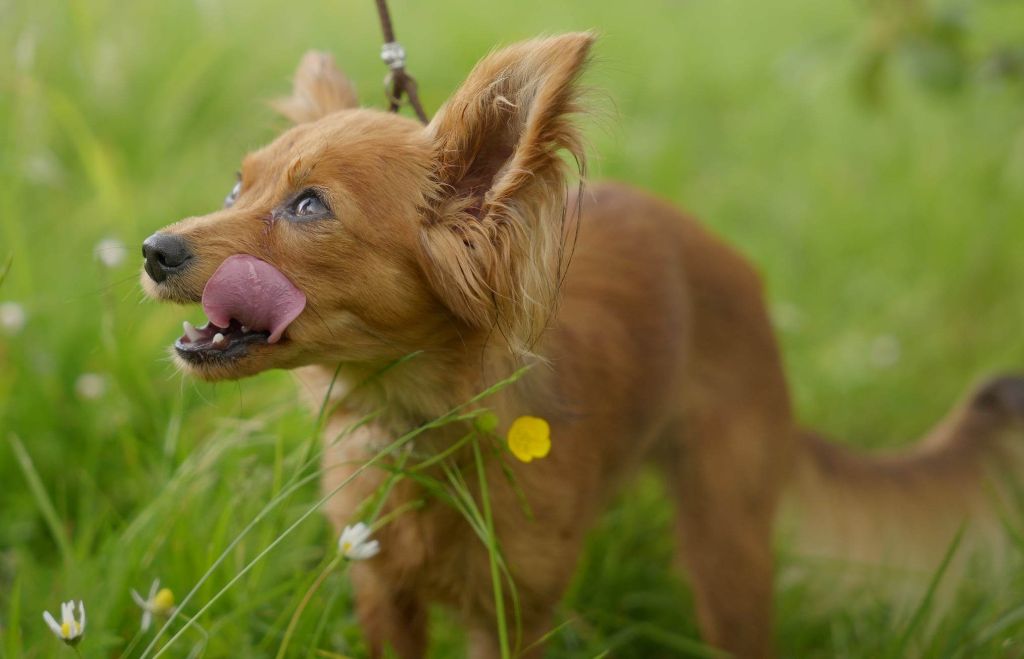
column 165, row 254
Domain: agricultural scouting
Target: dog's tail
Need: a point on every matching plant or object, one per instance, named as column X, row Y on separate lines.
column 957, row 486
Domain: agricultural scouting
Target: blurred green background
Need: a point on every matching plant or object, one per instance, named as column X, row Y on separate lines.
column 868, row 156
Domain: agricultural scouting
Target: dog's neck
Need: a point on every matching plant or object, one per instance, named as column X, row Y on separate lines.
column 406, row 393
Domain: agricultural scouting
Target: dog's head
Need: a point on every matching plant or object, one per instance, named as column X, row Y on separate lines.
column 360, row 236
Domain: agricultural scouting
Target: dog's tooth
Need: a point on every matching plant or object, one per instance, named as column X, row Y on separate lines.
column 219, row 340
column 191, row 333
column 244, row 329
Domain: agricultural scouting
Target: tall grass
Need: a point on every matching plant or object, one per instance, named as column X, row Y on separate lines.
column 888, row 235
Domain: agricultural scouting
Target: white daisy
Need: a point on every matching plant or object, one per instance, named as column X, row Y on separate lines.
column 12, row 317
column 160, row 602
column 355, row 544
column 886, row 350
column 110, row 252
column 90, row 386
column 69, row 630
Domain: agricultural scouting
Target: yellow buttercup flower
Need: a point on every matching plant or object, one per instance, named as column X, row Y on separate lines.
column 529, row 437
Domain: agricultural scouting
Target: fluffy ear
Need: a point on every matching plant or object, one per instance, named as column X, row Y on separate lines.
column 319, row 88
column 494, row 243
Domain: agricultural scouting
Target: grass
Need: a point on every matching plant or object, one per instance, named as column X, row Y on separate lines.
column 889, row 237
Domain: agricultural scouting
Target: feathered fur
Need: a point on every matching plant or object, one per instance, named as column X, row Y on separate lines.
column 448, row 243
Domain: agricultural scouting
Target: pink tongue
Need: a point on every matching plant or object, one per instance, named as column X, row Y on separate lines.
column 254, row 293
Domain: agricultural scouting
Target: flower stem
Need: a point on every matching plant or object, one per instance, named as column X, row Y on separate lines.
column 414, row 504
column 492, row 554
column 293, row 623
column 443, row 454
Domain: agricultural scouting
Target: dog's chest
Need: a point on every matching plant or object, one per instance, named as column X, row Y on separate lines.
column 426, row 545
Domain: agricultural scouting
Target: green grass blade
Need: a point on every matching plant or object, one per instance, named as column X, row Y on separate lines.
column 42, row 499
column 921, row 613
column 6, row 269
column 492, row 554
column 11, row 630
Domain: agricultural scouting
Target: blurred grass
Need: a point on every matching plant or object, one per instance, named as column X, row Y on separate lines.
column 889, row 237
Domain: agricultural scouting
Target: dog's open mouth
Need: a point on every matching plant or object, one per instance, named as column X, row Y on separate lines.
column 248, row 302
column 214, row 343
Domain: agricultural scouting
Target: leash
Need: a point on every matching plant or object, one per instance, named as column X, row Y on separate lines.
column 397, row 82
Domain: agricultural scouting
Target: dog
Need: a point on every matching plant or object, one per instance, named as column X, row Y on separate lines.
column 358, row 238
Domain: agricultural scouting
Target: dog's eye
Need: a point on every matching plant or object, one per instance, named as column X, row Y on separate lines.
column 309, row 205
column 229, row 200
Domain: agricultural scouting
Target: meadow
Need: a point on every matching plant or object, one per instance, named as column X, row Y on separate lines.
column 872, row 171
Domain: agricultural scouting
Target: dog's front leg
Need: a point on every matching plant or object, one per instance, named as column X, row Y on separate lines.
column 392, row 615
column 484, row 643
column 393, row 619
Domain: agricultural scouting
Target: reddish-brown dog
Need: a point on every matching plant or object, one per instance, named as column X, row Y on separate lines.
column 359, row 237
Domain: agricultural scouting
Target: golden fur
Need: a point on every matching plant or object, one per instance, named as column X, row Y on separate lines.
column 652, row 343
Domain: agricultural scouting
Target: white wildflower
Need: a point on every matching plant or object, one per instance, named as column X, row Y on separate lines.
column 69, row 630
column 25, row 51
column 886, row 350
column 90, row 386
column 12, row 317
column 160, row 602
column 110, row 252
column 787, row 317
column 43, row 168
column 355, row 544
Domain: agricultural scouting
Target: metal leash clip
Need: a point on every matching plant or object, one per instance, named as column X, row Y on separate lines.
column 393, row 55
column 397, row 82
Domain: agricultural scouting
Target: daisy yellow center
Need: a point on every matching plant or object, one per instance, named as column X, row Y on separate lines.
column 346, row 546
column 66, row 629
column 163, row 602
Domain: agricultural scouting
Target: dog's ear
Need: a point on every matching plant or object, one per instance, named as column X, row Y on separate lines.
column 318, row 89
column 493, row 245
